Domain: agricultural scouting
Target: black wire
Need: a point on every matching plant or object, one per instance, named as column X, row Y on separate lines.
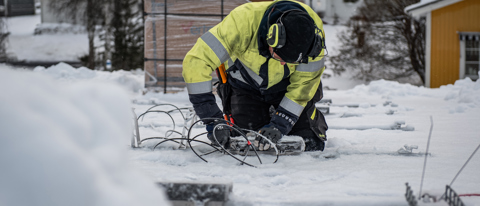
column 276, row 149
column 464, row 165
column 160, row 111
column 190, row 130
column 205, row 154
column 179, row 109
column 199, row 135
column 150, row 138
column 166, row 112
column 246, row 138
column 164, row 138
column 246, row 155
column 189, row 143
column 189, row 140
column 171, row 132
column 239, row 130
column 173, row 139
column 225, row 150
column 426, row 154
column 458, row 173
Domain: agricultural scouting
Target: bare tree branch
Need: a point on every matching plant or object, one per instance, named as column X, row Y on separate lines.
column 89, row 13
column 382, row 42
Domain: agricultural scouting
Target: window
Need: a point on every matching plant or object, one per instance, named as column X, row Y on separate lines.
column 472, row 58
column 469, row 54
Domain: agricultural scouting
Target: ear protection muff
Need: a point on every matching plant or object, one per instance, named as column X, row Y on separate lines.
column 318, row 44
column 276, row 37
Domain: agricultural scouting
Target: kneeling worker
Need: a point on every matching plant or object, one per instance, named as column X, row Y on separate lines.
column 273, row 54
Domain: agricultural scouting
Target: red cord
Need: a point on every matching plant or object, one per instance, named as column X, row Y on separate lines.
column 469, row 195
column 229, row 118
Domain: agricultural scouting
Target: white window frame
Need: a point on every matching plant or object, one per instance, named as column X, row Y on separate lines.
column 463, row 54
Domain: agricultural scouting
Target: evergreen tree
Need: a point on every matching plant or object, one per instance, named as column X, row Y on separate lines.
column 382, row 42
column 127, row 27
column 3, row 39
column 119, row 24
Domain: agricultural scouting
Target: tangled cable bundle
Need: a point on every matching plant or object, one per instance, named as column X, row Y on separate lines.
column 188, row 130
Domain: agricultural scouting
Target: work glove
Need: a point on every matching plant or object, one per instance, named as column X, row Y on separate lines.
column 222, row 133
column 270, row 132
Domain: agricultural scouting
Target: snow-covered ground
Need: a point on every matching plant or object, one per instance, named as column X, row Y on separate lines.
column 24, row 45
column 361, row 164
column 66, row 139
column 66, row 142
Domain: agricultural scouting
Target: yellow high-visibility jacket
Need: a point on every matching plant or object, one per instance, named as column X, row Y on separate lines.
column 236, row 38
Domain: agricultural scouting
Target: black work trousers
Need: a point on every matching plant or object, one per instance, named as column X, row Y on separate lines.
column 253, row 111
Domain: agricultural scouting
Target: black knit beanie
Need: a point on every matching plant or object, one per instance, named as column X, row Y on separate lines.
column 300, row 32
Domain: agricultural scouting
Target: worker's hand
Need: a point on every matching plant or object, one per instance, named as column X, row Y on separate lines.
column 270, row 132
column 218, row 132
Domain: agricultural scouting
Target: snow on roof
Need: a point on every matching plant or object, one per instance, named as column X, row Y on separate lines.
column 426, row 6
column 420, row 4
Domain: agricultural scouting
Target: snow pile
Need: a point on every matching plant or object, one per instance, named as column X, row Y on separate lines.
column 56, row 28
column 388, row 89
column 67, row 144
column 132, row 81
column 465, row 92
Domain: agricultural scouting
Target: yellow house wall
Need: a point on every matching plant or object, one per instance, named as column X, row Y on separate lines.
column 445, row 50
